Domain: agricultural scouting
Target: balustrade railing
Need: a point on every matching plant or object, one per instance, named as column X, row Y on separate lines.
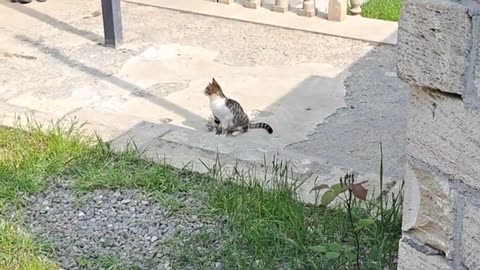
column 337, row 9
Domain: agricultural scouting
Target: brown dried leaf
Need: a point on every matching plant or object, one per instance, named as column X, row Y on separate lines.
column 359, row 191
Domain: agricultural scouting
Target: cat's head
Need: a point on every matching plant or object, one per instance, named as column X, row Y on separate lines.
column 213, row 88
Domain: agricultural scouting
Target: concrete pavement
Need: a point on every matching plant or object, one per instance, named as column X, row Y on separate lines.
column 51, row 64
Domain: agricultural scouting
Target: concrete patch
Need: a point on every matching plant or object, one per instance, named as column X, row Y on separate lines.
column 58, row 104
column 292, row 98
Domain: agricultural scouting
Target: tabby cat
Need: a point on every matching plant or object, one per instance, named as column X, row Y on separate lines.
column 228, row 114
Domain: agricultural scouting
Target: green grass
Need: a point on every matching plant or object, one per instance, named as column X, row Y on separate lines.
column 263, row 228
column 29, row 157
column 104, row 168
column 107, row 262
column 267, row 229
column 19, row 251
column 388, row 10
column 32, row 155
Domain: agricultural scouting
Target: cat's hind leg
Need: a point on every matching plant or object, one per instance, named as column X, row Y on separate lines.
column 217, row 125
column 239, row 130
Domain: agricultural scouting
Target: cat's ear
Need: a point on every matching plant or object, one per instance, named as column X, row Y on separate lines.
column 214, row 82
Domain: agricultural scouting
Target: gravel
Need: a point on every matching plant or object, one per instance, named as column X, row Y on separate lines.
column 126, row 224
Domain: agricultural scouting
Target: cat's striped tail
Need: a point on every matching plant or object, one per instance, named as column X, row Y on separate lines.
column 261, row 125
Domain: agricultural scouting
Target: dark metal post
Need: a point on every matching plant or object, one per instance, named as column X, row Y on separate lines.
column 112, row 23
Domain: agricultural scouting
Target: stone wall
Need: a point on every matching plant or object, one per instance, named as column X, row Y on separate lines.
column 439, row 43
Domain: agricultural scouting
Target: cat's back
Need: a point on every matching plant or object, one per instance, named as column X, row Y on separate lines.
column 234, row 105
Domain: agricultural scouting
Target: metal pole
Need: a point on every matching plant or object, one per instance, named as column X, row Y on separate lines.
column 112, row 23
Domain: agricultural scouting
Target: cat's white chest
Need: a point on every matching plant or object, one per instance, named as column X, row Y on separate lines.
column 220, row 109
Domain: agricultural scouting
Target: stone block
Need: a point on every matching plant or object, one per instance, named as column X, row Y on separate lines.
column 475, row 79
column 434, row 44
column 470, row 251
column 410, row 258
column 308, row 9
column 443, row 133
column 140, row 134
column 337, row 10
column 280, row 6
column 427, row 211
column 228, row 2
column 307, row 13
column 204, row 141
column 280, row 9
column 252, row 3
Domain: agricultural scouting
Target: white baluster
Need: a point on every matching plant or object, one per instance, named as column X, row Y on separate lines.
column 308, row 9
column 355, row 7
column 280, row 6
column 251, row 3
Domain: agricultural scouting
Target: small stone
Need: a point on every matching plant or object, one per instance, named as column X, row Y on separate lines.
column 153, row 239
column 126, row 201
column 391, row 74
column 166, row 120
column 81, row 214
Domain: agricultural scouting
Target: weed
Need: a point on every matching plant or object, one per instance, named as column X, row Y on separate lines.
column 269, row 228
column 374, row 227
column 109, row 261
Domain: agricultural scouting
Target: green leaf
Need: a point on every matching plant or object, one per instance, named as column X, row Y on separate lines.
column 349, row 254
column 328, row 197
column 319, row 187
column 318, row 249
column 363, row 223
column 291, row 241
column 332, row 255
column 336, row 247
column 366, row 222
column 374, row 253
column 339, row 188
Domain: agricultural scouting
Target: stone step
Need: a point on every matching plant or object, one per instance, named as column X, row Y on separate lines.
column 201, row 152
